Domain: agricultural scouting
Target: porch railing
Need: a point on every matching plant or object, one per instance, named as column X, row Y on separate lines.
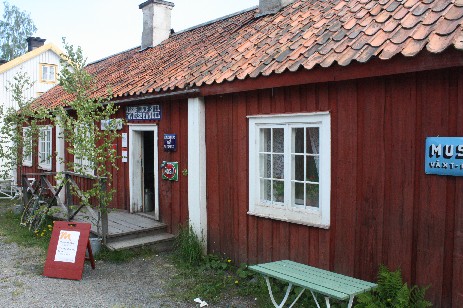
column 39, row 185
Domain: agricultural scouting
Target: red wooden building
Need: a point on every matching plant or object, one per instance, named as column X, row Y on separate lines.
column 302, row 127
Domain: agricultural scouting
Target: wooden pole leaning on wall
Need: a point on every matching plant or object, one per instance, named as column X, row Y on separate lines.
column 68, row 196
column 103, row 213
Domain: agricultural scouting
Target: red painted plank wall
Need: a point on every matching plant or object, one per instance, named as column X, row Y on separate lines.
column 173, row 196
column 384, row 209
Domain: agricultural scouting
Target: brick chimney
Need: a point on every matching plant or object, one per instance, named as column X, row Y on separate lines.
column 267, row 7
column 34, row 42
column 156, row 22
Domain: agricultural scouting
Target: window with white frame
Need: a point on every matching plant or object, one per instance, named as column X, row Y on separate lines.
column 81, row 162
column 27, row 147
column 48, row 73
column 45, row 147
column 289, row 168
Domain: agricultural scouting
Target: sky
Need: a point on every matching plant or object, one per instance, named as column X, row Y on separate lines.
column 106, row 27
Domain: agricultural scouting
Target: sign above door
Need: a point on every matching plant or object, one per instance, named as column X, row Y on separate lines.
column 143, row 113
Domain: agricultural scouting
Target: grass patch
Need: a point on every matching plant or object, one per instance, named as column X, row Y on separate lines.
column 11, row 229
column 216, row 279
column 122, row 256
column 13, row 232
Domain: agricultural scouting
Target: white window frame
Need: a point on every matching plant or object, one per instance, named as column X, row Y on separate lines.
column 83, row 162
column 46, row 67
column 45, row 148
column 285, row 211
column 27, row 138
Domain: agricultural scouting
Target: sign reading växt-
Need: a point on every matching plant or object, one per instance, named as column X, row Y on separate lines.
column 444, row 156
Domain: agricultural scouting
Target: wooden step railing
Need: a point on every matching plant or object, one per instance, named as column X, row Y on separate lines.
column 39, row 185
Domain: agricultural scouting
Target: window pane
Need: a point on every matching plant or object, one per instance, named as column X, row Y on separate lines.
column 51, row 76
column 298, row 171
column 265, row 190
column 44, row 73
column 312, row 169
column 265, row 166
column 312, row 195
column 278, row 140
column 298, row 146
column 279, row 191
column 278, row 166
column 313, row 140
column 265, row 140
column 299, row 193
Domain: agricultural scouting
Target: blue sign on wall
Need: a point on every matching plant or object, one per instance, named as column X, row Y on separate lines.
column 140, row 113
column 444, row 156
column 170, row 142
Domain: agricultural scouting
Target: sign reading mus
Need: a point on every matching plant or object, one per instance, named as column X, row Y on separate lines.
column 140, row 113
column 444, row 156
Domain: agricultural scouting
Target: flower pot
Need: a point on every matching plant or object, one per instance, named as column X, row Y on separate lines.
column 95, row 243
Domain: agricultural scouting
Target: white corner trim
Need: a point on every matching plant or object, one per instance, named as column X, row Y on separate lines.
column 60, row 155
column 197, row 204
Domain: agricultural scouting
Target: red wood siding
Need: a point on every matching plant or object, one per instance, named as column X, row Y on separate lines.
column 384, row 209
column 173, row 196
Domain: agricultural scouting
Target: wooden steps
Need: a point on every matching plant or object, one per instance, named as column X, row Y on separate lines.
column 126, row 231
column 137, row 230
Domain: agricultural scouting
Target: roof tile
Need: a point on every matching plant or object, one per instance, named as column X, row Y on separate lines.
column 438, row 43
column 454, row 13
column 410, row 3
column 445, row 27
column 413, row 47
column 441, row 5
column 458, row 39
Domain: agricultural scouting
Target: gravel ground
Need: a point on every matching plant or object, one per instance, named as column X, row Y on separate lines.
column 138, row 283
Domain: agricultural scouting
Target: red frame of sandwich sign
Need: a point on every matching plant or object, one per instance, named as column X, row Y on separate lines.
column 66, row 251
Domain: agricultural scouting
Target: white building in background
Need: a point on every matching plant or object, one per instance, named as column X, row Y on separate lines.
column 41, row 64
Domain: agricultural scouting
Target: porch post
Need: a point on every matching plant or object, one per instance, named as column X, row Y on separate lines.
column 197, row 206
column 60, row 155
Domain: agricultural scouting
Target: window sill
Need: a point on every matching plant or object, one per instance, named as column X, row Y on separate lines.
column 309, row 220
column 45, row 168
column 27, row 164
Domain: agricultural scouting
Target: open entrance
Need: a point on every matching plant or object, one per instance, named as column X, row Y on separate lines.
column 143, row 160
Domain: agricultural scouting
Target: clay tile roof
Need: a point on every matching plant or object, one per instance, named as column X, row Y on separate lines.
column 303, row 35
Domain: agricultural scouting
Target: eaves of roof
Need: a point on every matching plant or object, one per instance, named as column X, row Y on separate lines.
column 306, row 35
column 30, row 55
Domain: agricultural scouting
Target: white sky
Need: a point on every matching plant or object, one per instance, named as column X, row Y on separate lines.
column 106, row 27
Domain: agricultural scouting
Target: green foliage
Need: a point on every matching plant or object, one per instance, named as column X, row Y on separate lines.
column 91, row 146
column 15, row 28
column 15, row 233
column 16, row 142
column 187, row 247
column 393, row 292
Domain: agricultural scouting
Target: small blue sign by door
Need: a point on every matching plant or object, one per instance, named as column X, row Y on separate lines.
column 170, row 142
column 444, row 156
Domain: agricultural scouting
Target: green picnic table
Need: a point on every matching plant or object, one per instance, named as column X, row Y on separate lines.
column 326, row 283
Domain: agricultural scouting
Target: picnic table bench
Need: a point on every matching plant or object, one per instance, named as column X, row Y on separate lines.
column 329, row 284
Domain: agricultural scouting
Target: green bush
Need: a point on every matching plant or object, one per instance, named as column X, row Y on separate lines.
column 393, row 292
column 187, row 247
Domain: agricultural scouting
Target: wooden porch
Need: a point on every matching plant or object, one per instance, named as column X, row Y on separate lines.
column 127, row 230
column 118, row 229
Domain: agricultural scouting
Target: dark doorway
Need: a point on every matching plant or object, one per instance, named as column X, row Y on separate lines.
column 148, row 171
